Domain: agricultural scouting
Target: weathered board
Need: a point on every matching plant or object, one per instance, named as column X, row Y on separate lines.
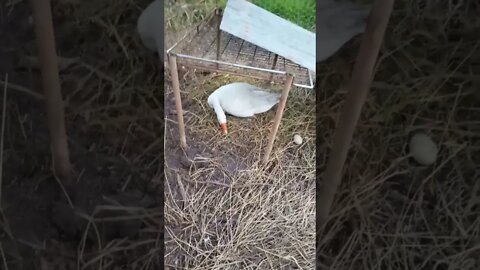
column 269, row 31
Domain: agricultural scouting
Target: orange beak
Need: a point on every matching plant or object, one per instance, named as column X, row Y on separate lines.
column 224, row 128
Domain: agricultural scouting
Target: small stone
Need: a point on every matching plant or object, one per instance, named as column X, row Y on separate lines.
column 423, row 149
column 297, row 139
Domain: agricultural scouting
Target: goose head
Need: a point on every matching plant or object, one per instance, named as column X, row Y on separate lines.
column 214, row 103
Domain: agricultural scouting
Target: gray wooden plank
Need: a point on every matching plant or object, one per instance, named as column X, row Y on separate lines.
column 269, row 31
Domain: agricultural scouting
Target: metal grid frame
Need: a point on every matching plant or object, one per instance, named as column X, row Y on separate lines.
column 207, row 47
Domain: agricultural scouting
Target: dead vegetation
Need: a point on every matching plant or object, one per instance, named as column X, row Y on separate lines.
column 110, row 86
column 389, row 212
column 223, row 209
column 235, row 213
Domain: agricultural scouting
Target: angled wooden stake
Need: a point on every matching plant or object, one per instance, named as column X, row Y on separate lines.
column 172, row 59
column 358, row 88
column 278, row 117
column 51, row 86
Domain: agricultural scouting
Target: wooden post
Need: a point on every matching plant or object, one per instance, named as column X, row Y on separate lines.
column 51, row 86
column 358, row 87
column 219, row 35
column 172, row 59
column 275, row 59
column 278, row 116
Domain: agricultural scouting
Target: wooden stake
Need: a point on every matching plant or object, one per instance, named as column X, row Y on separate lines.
column 275, row 59
column 219, row 37
column 51, row 86
column 278, row 117
column 172, row 59
column 358, row 88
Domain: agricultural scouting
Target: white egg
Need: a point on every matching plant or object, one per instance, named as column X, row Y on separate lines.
column 423, row 149
column 297, row 139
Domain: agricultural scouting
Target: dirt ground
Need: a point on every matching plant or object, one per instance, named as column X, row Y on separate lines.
column 389, row 212
column 216, row 169
column 115, row 144
column 223, row 210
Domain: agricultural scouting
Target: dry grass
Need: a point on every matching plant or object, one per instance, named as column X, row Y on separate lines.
column 255, row 218
column 111, row 88
column 247, row 137
column 265, row 222
column 391, row 213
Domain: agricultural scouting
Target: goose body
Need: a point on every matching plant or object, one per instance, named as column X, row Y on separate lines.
column 339, row 22
column 241, row 100
column 150, row 26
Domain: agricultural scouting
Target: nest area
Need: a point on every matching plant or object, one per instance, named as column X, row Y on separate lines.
column 207, row 47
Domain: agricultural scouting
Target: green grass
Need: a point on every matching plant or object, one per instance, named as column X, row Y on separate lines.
column 300, row 12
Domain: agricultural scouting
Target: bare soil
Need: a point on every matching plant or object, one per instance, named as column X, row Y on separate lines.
column 116, row 221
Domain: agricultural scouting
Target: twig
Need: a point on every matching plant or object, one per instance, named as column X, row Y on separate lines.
column 21, row 89
column 70, row 203
column 4, row 259
column 182, row 189
column 359, row 85
column 2, row 135
column 223, row 184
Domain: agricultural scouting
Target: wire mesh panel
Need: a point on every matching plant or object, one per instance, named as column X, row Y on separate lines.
column 207, row 47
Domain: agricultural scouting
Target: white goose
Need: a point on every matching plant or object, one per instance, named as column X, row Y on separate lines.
column 241, row 100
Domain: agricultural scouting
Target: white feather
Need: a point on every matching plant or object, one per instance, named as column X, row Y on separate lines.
column 241, row 100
